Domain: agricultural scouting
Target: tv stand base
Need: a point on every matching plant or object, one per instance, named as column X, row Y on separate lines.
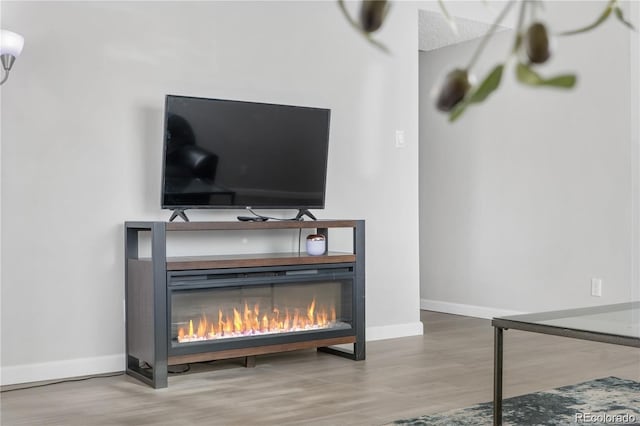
column 179, row 213
column 304, row 212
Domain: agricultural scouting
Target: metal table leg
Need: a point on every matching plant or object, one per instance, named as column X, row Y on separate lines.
column 497, row 376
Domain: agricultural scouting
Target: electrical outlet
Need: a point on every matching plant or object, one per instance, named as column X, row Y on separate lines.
column 400, row 141
column 596, row 287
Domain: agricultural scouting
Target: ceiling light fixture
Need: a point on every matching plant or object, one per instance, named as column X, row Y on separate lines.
column 10, row 47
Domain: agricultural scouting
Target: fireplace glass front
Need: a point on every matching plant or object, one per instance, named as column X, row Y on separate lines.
column 222, row 314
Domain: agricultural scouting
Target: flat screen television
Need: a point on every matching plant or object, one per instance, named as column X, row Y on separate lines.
column 226, row 154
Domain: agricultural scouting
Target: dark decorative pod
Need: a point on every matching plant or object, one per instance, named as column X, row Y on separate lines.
column 372, row 13
column 454, row 89
column 537, row 43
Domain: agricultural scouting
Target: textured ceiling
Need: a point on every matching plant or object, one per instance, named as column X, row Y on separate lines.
column 435, row 32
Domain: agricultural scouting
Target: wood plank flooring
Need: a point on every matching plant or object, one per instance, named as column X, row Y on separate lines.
column 451, row 366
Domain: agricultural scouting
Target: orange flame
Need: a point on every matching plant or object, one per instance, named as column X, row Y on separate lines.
column 251, row 321
column 238, row 325
column 310, row 310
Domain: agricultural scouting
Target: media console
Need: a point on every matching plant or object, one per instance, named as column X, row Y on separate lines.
column 193, row 309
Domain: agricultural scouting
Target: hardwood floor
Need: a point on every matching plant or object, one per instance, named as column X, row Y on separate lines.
column 451, row 366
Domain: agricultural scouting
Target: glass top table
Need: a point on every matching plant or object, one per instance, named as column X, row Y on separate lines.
column 618, row 324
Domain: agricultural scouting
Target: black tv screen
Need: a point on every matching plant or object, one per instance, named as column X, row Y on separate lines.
column 235, row 154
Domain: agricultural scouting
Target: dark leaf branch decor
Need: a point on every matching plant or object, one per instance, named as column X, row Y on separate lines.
column 531, row 46
column 372, row 16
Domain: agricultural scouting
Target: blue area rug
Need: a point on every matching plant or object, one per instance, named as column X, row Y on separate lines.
column 598, row 402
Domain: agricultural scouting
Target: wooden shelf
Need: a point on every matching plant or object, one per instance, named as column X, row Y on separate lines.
column 235, row 226
column 276, row 224
column 254, row 260
column 235, row 353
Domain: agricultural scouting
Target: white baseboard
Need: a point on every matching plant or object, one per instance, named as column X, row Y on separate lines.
column 466, row 310
column 394, row 331
column 27, row 373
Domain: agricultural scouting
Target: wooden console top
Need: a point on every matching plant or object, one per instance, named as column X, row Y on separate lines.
column 231, row 225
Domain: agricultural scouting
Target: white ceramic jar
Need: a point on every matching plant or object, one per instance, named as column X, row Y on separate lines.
column 316, row 244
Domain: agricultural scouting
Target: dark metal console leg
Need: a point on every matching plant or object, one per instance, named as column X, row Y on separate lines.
column 497, row 376
column 358, row 353
column 161, row 338
column 359, row 302
column 359, row 350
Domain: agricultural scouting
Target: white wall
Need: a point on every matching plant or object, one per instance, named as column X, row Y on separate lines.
column 531, row 194
column 634, row 115
column 81, row 144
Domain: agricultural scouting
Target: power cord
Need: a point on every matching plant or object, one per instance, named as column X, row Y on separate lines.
column 57, row 382
column 264, row 218
column 173, row 369
column 185, row 368
column 272, row 218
